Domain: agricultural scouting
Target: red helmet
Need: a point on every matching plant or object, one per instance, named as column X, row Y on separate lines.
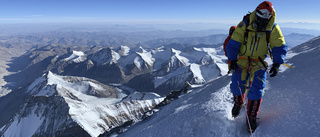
column 232, row 28
column 265, row 10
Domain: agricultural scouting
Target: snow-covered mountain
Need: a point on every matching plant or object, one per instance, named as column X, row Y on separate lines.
column 136, row 62
column 289, row 106
column 105, row 56
column 75, row 106
column 195, row 65
column 77, row 57
column 81, row 103
column 161, row 68
column 295, row 39
column 33, row 64
column 79, row 106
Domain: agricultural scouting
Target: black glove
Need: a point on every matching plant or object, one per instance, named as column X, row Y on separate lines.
column 274, row 70
column 233, row 65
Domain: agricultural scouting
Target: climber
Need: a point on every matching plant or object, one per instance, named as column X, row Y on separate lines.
column 255, row 36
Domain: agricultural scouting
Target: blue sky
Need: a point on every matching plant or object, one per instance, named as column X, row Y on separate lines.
column 150, row 11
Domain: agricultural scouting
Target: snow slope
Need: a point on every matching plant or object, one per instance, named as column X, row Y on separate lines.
column 289, row 107
column 146, row 57
column 105, row 56
column 23, row 127
column 142, row 59
column 60, row 103
column 196, row 65
column 124, row 50
column 77, row 57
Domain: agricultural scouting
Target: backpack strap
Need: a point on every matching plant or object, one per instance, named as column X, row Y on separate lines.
column 268, row 36
column 268, row 33
column 246, row 20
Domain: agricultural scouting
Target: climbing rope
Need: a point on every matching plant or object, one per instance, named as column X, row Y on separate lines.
column 245, row 109
column 246, row 87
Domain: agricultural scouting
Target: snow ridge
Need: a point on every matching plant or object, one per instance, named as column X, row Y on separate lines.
column 95, row 107
column 105, row 56
column 146, row 57
column 124, row 50
column 77, row 57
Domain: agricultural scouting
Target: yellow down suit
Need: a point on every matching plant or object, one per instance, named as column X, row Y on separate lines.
column 247, row 45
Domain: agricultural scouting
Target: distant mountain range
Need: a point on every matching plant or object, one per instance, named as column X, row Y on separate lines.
column 71, row 86
column 113, row 39
column 151, row 39
column 93, row 80
column 119, row 65
column 295, row 39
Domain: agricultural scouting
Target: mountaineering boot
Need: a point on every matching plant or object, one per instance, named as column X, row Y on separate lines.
column 238, row 105
column 253, row 124
column 252, row 112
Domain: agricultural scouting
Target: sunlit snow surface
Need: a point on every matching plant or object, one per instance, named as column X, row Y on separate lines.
column 77, row 57
column 202, row 64
column 105, row 56
column 94, row 114
column 146, row 57
column 289, row 106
